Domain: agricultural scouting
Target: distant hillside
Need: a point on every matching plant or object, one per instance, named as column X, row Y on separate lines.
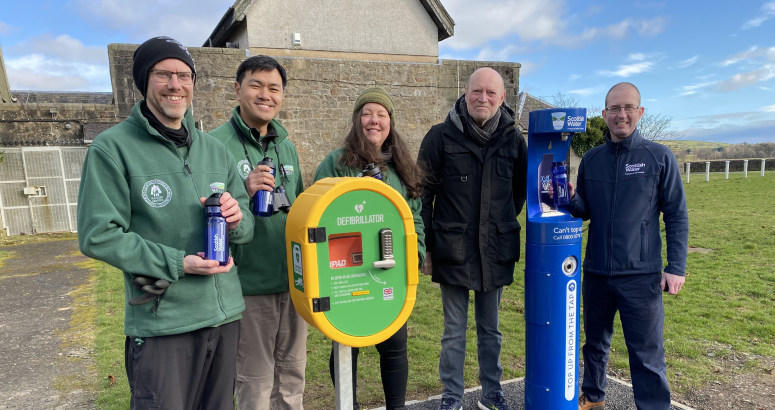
column 684, row 144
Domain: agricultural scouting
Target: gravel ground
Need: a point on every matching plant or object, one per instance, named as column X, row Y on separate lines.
column 41, row 370
column 618, row 397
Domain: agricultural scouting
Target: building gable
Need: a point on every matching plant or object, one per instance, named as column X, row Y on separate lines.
column 397, row 27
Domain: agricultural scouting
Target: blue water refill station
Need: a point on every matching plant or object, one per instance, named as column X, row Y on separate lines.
column 552, row 266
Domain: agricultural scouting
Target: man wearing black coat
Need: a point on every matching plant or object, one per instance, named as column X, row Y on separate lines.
column 476, row 162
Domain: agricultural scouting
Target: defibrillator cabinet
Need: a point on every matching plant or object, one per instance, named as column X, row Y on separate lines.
column 352, row 259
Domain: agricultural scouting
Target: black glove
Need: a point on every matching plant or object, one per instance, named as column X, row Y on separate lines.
column 151, row 287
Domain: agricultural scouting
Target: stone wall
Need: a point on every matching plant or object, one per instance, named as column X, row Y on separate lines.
column 61, row 97
column 320, row 94
column 35, row 125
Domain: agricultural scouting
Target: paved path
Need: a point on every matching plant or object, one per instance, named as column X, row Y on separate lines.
column 36, row 355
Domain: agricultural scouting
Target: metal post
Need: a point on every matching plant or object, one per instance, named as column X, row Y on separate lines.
column 707, row 171
column 745, row 168
column 343, row 376
column 726, row 170
column 762, row 166
column 688, row 171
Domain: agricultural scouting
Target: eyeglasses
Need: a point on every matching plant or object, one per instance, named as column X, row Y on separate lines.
column 629, row 109
column 164, row 77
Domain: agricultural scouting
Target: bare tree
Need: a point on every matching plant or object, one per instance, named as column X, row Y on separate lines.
column 562, row 100
column 656, row 127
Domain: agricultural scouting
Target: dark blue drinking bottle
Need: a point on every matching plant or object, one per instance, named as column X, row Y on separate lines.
column 217, row 242
column 262, row 200
column 560, row 182
column 373, row 171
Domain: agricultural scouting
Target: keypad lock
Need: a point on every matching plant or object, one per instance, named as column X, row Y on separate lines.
column 387, row 260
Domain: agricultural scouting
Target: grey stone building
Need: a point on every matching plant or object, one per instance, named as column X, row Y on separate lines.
column 342, row 51
column 396, row 30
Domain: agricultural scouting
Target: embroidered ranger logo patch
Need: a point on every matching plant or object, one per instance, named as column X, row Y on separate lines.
column 244, row 168
column 157, row 193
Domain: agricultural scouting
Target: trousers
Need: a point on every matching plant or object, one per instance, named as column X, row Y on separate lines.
column 638, row 298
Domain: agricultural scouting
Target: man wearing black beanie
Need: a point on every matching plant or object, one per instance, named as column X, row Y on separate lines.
column 142, row 188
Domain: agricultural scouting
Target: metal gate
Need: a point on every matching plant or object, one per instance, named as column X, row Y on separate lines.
column 39, row 189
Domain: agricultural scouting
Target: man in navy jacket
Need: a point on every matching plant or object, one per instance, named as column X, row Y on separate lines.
column 622, row 188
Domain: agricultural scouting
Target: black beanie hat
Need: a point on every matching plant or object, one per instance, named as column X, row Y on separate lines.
column 151, row 52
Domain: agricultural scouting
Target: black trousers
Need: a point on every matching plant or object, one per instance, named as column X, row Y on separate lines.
column 190, row 371
column 638, row 298
column 393, row 366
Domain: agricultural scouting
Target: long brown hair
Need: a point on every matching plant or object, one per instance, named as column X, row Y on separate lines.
column 359, row 152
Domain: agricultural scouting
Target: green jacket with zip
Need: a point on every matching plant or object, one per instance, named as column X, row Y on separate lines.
column 263, row 267
column 331, row 167
column 139, row 210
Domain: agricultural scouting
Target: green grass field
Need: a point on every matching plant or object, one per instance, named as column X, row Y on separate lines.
column 693, row 145
column 727, row 307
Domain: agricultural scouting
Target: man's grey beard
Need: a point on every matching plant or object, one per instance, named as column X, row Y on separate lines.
column 169, row 112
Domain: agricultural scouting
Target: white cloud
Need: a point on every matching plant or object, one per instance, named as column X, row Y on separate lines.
column 650, row 28
column 687, row 93
column 63, row 47
column 574, row 77
column 627, row 70
column 4, row 28
column 530, row 67
column 189, row 22
column 766, row 88
column 752, row 52
column 530, row 20
column 637, row 57
column 769, row 108
column 741, row 80
column 767, row 12
column 502, row 54
column 37, row 72
column 586, row 91
column 688, row 62
column 694, row 86
column 62, row 63
column 650, row 100
column 705, row 77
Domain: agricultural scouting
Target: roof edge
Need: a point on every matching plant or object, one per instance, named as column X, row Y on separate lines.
column 440, row 16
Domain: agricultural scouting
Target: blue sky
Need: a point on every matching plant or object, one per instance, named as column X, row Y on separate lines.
column 710, row 67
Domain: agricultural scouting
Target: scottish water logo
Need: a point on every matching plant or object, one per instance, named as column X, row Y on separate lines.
column 558, row 120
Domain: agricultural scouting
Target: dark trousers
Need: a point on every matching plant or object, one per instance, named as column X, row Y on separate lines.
column 638, row 298
column 190, row 371
column 393, row 366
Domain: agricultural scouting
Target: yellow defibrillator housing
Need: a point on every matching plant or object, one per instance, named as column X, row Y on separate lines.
column 352, row 259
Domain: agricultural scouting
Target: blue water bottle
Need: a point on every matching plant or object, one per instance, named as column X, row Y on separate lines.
column 372, row 170
column 262, row 200
column 217, row 242
column 560, row 182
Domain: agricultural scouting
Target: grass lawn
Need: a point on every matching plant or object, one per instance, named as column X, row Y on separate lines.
column 726, row 308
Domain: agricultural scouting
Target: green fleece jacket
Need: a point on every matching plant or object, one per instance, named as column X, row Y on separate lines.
column 332, row 168
column 139, row 210
column 263, row 267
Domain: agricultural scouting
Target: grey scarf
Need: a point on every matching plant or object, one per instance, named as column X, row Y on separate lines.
column 480, row 135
